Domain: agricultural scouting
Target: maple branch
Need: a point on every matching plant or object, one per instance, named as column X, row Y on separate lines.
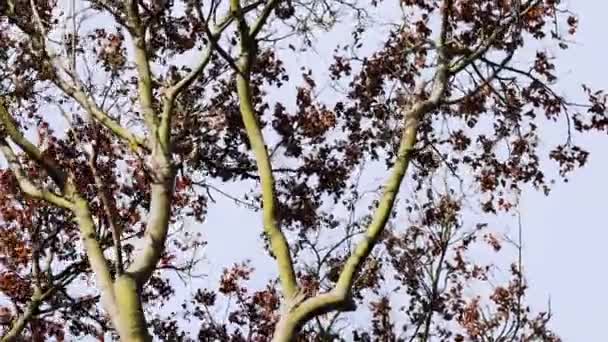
column 278, row 242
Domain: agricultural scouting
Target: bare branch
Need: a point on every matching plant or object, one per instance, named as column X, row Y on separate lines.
column 486, row 81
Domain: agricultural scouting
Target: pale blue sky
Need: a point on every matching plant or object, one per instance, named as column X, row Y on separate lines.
column 565, row 233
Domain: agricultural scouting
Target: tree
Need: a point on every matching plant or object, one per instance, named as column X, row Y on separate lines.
column 129, row 138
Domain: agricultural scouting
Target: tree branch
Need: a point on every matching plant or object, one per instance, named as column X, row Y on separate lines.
column 10, row 128
column 94, row 252
column 26, row 185
column 339, row 297
column 261, row 20
column 173, row 92
column 110, row 211
column 278, row 242
column 138, row 33
column 75, row 91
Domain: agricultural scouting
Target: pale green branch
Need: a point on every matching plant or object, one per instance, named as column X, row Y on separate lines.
column 156, row 233
column 278, row 242
column 87, row 103
column 29, row 188
column 142, row 63
column 339, row 298
column 7, row 123
column 263, row 18
column 94, row 252
column 161, row 167
column 173, row 92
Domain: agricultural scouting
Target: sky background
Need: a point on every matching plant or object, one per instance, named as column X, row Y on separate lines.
column 565, row 234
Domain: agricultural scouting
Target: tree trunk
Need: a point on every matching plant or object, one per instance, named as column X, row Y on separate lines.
column 129, row 319
column 285, row 330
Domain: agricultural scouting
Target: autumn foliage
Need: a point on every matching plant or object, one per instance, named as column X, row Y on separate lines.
column 373, row 177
